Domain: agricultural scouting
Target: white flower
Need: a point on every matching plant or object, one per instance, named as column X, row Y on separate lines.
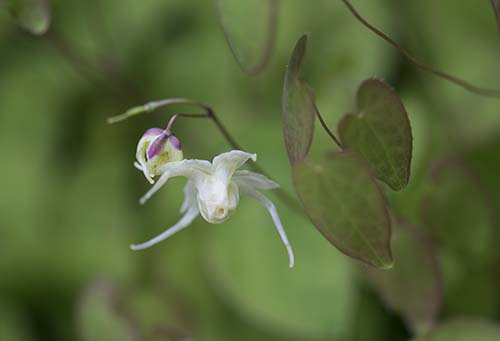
column 213, row 189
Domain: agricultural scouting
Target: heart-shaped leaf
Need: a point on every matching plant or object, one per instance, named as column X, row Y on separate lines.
column 298, row 107
column 380, row 131
column 250, row 31
column 32, row 15
column 464, row 329
column 413, row 286
column 496, row 9
column 345, row 204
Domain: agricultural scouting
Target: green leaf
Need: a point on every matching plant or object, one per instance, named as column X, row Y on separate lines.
column 346, row 205
column 32, row 15
column 380, row 131
column 413, row 286
column 98, row 317
column 298, row 107
column 496, row 10
column 14, row 325
column 458, row 215
column 457, row 212
column 250, row 31
column 464, row 329
column 248, row 267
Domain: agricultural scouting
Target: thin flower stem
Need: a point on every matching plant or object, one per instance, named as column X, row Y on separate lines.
column 283, row 195
column 325, row 127
column 460, row 82
column 96, row 73
column 81, row 66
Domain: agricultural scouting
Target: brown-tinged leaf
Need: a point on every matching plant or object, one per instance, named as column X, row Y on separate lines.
column 413, row 286
column 345, row 204
column 380, row 131
column 297, row 107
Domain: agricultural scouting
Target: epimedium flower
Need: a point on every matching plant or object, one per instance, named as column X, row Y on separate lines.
column 155, row 148
column 213, row 188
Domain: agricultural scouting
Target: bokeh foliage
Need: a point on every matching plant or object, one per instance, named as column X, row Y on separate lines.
column 69, row 191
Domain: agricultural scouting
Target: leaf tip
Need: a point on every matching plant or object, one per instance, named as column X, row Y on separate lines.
column 387, row 265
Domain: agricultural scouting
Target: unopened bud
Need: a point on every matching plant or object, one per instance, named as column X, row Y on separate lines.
column 155, row 148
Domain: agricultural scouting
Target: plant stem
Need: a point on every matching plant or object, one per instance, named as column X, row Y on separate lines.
column 97, row 74
column 460, row 82
column 283, row 195
column 325, row 127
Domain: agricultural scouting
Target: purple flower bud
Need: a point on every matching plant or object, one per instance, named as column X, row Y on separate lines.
column 153, row 132
column 175, row 142
column 156, row 146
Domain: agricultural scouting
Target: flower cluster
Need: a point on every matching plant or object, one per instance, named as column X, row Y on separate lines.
column 213, row 188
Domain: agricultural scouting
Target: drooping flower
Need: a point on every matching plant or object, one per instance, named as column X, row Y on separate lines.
column 213, row 189
column 155, row 148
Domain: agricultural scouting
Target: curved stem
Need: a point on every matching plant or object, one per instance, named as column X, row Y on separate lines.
column 325, row 127
column 95, row 73
column 284, row 196
column 460, row 82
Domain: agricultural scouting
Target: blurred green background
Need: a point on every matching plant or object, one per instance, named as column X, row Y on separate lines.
column 69, row 193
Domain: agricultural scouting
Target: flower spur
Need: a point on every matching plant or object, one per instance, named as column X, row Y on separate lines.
column 213, row 188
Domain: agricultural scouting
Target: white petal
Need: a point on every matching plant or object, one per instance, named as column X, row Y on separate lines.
column 138, row 165
column 194, row 170
column 195, row 165
column 226, row 164
column 141, row 156
column 191, row 214
column 254, row 180
column 189, row 196
column 274, row 215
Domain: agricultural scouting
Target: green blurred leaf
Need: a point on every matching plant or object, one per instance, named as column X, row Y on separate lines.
column 346, row 205
column 248, row 268
column 496, row 10
column 457, row 212
column 250, row 31
column 462, row 329
column 98, row 316
column 381, row 132
column 297, row 107
column 32, row 15
column 13, row 325
column 413, row 286
column 158, row 312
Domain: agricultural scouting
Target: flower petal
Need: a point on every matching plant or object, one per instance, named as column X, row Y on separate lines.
column 254, row 180
column 194, row 170
column 189, row 196
column 226, row 164
column 191, row 213
column 156, row 146
column 251, row 192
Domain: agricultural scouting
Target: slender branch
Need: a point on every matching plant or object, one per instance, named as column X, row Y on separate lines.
column 79, row 64
column 283, row 195
column 460, row 82
column 325, row 127
column 97, row 74
column 267, row 46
